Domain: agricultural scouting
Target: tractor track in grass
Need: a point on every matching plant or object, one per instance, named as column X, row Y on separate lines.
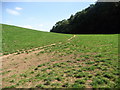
column 16, row 64
column 64, row 63
column 34, row 50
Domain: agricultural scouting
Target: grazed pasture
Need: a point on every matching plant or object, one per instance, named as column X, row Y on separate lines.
column 85, row 61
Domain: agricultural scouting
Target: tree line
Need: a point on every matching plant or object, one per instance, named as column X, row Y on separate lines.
column 98, row 18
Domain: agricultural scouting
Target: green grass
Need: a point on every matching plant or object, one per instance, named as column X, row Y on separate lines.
column 85, row 58
column 17, row 38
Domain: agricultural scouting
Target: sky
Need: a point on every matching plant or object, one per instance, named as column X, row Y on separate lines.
column 39, row 15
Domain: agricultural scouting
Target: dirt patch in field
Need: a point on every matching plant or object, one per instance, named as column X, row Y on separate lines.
column 22, row 62
column 15, row 64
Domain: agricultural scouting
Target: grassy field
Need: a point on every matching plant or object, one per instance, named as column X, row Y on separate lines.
column 86, row 61
column 16, row 38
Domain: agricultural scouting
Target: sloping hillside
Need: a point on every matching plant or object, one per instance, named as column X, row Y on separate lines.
column 103, row 17
column 16, row 38
column 86, row 61
column 74, row 61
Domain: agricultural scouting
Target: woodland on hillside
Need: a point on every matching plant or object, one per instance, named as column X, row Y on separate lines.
column 98, row 18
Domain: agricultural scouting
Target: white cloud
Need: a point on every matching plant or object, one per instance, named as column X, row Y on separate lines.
column 13, row 12
column 18, row 8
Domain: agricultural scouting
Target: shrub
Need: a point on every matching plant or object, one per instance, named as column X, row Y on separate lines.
column 56, row 65
column 55, row 84
column 49, row 79
column 13, row 86
column 86, row 57
column 76, row 85
column 42, row 52
column 81, row 81
column 44, row 69
column 79, row 75
column 12, row 81
column 59, row 78
column 91, row 68
column 40, row 65
column 40, row 86
column 108, row 75
column 37, row 75
column 99, row 81
column 32, row 72
column 69, row 61
column 99, row 55
column 36, row 69
column 23, row 75
column 90, row 75
column 89, row 62
column 47, row 83
column 78, row 59
column 65, row 85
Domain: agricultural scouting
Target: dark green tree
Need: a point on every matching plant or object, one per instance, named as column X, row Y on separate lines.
column 102, row 17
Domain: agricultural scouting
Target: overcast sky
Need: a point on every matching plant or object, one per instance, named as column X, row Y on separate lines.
column 39, row 15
